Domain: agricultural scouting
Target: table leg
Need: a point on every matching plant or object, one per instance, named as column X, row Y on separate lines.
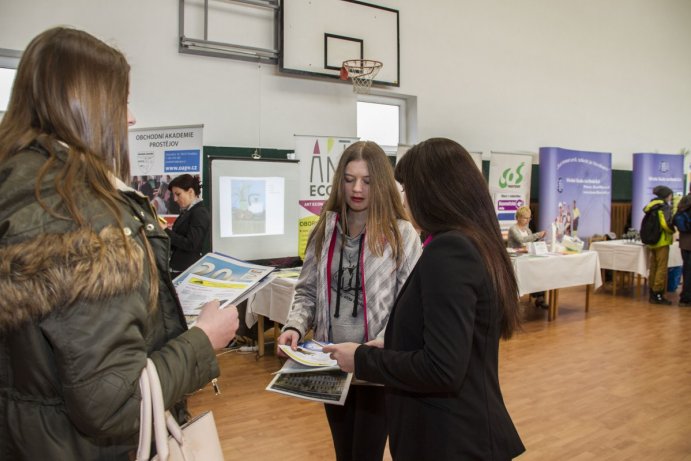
column 587, row 297
column 614, row 283
column 260, row 336
column 638, row 285
column 277, row 333
column 553, row 300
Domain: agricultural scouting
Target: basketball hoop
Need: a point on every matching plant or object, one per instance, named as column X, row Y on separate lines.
column 361, row 72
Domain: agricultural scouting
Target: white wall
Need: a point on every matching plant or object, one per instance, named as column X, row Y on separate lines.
column 500, row 75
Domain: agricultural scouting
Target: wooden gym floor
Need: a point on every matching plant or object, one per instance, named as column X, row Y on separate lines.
column 614, row 384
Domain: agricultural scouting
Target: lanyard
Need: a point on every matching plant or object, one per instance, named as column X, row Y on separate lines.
column 357, row 278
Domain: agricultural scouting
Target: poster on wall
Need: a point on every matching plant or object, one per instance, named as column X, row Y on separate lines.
column 509, row 185
column 575, row 193
column 157, row 155
column 319, row 156
column 650, row 170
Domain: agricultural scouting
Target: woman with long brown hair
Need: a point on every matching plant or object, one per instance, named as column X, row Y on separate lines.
column 86, row 294
column 439, row 363
column 358, row 258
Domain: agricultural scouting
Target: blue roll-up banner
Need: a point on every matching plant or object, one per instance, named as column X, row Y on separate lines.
column 575, row 192
column 650, row 170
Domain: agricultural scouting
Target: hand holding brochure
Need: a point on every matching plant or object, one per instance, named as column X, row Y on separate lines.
column 217, row 276
column 311, row 374
column 310, row 354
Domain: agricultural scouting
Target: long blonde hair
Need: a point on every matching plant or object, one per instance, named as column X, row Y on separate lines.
column 385, row 205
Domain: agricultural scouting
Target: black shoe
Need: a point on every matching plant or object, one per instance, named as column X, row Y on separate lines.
column 684, row 303
column 657, row 298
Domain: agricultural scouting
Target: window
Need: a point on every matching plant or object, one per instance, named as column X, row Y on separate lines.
column 9, row 59
column 384, row 120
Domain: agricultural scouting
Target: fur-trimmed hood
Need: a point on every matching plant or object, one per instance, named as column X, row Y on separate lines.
column 47, row 262
column 51, row 271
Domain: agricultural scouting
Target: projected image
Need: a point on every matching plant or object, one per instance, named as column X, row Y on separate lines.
column 251, row 206
column 248, row 206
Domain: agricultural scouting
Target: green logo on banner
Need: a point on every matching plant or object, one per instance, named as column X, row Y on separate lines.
column 510, row 178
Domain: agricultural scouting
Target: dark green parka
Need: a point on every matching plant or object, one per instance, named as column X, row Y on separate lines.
column 76, row 326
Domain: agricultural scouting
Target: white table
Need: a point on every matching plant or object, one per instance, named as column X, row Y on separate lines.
column 633, row 257
column 552, row 272
column 272, row 302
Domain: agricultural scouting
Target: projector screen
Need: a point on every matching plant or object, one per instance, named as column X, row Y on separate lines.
column 254, row 207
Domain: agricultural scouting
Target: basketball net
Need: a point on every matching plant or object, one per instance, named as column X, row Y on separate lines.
column 361, row 72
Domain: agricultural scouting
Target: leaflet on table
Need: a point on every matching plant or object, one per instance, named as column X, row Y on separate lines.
column 218, row 276
column 290, row 273
column 310, row 354
column 318, row 386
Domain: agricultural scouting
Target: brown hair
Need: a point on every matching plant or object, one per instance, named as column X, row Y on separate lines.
column 385, row 205
column 70, row 94
column 446, row 191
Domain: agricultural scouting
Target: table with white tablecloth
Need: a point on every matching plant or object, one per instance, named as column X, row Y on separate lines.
column 630, row 256
column 533, row 273
column 554, row 271
column 272, row 302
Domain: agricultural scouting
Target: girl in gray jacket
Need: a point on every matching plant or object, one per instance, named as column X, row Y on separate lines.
column 358, row 257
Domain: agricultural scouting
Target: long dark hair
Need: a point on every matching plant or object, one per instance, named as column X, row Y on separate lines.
column 446, row 191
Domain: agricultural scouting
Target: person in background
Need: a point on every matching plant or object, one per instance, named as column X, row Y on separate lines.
column 145, row 187
column 576, row 218
column 190, row 230
column 520, row 235
column 659, row 252
column 159, row 202
column 439, row 363
column 682, row 221
column 86, row 292
column 358, row 257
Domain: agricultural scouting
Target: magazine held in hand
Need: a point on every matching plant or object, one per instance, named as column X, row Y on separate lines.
column 221, row 277
column 311, row 374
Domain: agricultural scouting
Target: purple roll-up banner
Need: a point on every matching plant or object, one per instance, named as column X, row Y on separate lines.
column 650, row 170
column 575, row 192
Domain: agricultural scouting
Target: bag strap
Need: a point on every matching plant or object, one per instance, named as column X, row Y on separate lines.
column 153, row 413
column 160, row 432
column 145, row 418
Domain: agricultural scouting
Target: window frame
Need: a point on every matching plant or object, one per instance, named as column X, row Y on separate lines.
column 9, row 59
column 402, row 104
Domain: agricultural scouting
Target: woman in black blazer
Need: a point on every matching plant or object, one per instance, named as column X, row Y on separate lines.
column 439, row 360
column 191, row 229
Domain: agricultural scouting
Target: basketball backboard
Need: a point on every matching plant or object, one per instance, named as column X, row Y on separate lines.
column 317, row 36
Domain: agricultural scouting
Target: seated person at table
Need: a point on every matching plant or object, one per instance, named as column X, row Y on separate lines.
column 519, row 235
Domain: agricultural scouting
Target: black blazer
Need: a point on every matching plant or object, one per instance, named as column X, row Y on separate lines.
column 440, row 361
column 190, row 232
